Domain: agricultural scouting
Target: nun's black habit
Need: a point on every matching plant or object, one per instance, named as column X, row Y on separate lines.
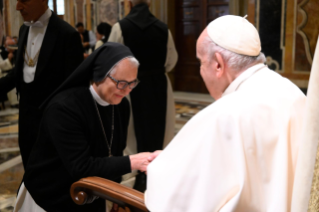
column 71, row 144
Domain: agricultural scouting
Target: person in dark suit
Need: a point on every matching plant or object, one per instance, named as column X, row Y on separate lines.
column 89, row 39
column 49, row 50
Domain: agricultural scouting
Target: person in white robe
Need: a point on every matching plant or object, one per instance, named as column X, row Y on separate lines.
column 239, row 153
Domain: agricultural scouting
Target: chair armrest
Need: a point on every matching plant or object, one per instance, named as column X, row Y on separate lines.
column 88, row 189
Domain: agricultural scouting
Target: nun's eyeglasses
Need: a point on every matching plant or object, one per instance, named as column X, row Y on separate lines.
column 122, row 84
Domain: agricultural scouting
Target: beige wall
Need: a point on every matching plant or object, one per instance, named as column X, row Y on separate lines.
column 107, row 11
column 12, row 18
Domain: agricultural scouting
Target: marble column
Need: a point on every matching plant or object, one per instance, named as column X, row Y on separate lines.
column 14, row 19
column 67, row 11
column 107, row 11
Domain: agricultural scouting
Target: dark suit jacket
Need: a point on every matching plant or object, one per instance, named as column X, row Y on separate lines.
column 60, row 54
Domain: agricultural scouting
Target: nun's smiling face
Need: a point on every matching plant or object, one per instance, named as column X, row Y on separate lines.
column 107, row 89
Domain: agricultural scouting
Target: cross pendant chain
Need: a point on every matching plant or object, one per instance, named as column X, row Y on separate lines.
column 28, row 60
column 109, row 145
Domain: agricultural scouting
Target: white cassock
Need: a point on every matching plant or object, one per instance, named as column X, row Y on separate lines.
column 171, row 60
column 238, row 154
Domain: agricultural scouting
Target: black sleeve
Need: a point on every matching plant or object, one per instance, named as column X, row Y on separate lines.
column 7, row 83
column 66, row 130
column 125, row 112
column 74, row 52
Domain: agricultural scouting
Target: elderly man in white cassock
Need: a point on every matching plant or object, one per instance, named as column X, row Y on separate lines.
column 239, row 153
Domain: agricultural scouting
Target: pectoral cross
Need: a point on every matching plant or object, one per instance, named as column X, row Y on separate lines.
column 30, row 63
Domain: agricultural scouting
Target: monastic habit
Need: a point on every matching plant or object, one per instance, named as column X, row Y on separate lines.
column 152, row 100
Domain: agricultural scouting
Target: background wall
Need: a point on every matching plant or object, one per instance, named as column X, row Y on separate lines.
column 12, row 18
column 288, row 28
column 91, row 13
column 289, row 31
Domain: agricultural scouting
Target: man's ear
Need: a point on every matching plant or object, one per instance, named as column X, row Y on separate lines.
column 219, row 65
column 131, row 4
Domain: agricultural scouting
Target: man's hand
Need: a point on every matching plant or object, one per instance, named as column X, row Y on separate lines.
column 154, row 155
column 140, row 161
column 10, row 56
column 86, row 44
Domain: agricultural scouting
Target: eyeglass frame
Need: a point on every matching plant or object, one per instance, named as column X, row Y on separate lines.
column 126, row 83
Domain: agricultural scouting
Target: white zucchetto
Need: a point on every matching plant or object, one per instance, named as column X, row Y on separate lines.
column 235, row 34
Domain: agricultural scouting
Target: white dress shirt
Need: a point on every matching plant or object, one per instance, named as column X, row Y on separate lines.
column 35, row 39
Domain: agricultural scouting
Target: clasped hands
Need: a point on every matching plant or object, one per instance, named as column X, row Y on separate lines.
column 140, row 161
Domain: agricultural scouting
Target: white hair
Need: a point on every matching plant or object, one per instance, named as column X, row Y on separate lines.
column 134, row 62
column 236, row 62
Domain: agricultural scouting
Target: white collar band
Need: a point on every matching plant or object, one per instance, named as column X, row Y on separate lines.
column 97, row 98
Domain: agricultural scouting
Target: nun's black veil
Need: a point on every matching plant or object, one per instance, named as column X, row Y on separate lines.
column 95, row 67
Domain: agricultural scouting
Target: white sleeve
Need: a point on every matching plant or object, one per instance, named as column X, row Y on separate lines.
column 171, row 56
column 98, row 44
column 92, row 39
column 116, row 34
column 5, row 64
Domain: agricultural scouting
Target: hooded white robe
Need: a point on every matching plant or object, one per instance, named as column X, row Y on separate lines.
column 238, row 154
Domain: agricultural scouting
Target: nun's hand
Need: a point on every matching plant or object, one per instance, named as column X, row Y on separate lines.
column 140, row 161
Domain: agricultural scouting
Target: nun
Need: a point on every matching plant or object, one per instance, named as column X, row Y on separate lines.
column 83, row 133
